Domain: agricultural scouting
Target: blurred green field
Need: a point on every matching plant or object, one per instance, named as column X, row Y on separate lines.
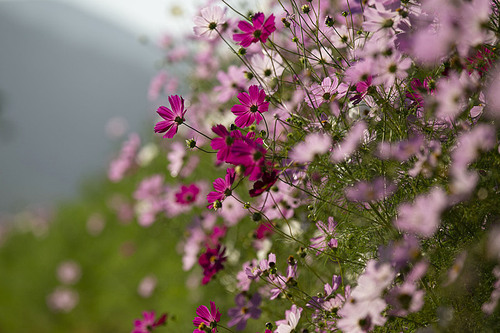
column 112, row 264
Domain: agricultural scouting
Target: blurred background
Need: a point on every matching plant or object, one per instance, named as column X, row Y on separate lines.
column 74, row 78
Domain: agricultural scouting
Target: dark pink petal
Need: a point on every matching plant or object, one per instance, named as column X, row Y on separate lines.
column 203, row 312
column 269, row 26
column 197, row 321
column 165, row 113
column 220, row 130
column 219, row 185
column 245, row 40
column 245, row 99
column 217, row 143
column 163, row 126
column 244, row 120
column 171, row 132
column 215, row 313
column 258, row 20
column 214, row 196
column 253, row 90
column 246, row 27
column 239, row 109
column 264, row 107
column 257, row 117
column 262, row 97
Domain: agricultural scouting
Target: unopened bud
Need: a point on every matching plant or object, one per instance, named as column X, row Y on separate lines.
column 329, row 21
column 242, row 51
column 191, row 143
column 256, row 217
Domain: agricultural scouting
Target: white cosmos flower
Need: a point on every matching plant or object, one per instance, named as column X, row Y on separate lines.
column 206, row 25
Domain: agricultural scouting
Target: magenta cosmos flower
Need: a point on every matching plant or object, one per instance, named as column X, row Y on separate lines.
column 148, row 324
column 252, row 105
column 212, row 261
column 222, row 189
column 173, row 118
column 224, row 143
column 206, row 319
column 187, row 194
column 259, row 31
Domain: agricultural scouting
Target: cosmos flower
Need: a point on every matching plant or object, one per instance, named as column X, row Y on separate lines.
column 148, row 324
column 210, row 20
column 259, row 30
column 292, row 319
column 187, row 194
column 314, row 144
column 244, row 310
column 206, row 319
column 224, row 142
column 222, row 189
column 212, row 261
column 172, row 118
column 252, row 105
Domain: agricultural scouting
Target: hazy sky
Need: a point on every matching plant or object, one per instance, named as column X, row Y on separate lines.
column 141, row 17
column 67, row 68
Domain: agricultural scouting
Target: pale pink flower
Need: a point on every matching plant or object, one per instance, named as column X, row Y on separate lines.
column 210, row 20
column 62, row 299
column 314, row 144
column 325, row 92
column 350, row 142
column 390, row 69
column 378, row 17
column 126, row 160
column 292, row 320
column 69, row 272
column 422, row 218
column 147, row 286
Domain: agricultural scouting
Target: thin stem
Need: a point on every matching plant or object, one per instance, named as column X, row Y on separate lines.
column 200, row 133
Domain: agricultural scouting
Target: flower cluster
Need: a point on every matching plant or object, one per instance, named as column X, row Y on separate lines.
column 379, row 117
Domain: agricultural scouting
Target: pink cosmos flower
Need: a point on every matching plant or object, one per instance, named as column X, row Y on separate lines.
column 126, row 160
column 350, row 143
column 210, row 20
column 267, row 180
column 379, row 18
column 187, row 194
column 212, row 261
column 222, row 189
column 224, row 143
column 391, row 68
column 253, row 104
column 62, row 299
column 281, row 282
column 422, row 218
column 206, row 319
column 324, row 93
column 314, row 144
column 230, row 83
column 148, row 324
column 364, row 191
column 326, row 239
column 292, row 320
column 250, row 154
column 259, row 31
column 244, row 310
column 400, row 151
column 173, row 118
